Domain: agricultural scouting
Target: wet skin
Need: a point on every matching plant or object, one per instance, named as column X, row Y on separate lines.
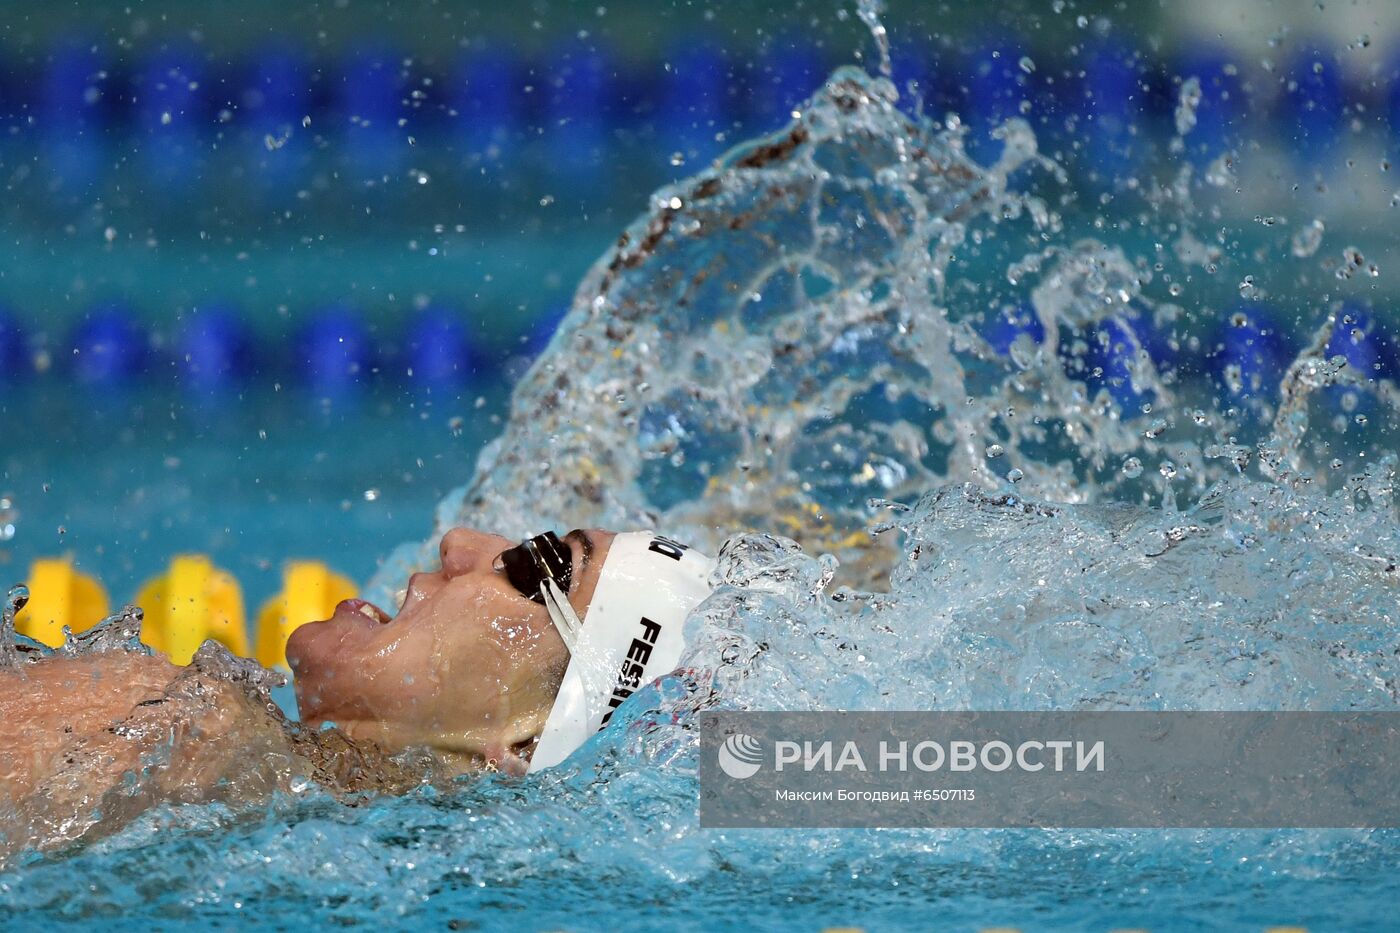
column 468, row 666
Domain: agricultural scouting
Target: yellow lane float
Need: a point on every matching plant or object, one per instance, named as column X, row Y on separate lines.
column 190, row 602
column 310, row 591
column 60, row 595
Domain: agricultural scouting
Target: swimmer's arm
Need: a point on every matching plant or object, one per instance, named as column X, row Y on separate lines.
column 109, row 735
column 48, row 707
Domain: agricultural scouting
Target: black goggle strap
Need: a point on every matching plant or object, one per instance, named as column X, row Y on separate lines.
column 565, row 620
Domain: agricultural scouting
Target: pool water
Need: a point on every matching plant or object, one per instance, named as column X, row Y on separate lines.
column 126, row 480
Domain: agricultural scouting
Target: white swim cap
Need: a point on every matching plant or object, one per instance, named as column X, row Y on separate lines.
column 648, row 586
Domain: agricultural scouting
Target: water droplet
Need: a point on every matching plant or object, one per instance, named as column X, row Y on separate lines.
column 1307, row 240
column 994, row 451
column 1132, row 468
column 1187, row 100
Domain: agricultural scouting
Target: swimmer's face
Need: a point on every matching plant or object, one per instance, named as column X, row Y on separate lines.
column 469, row 666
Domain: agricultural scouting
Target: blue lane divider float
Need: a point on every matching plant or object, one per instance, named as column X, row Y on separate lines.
column 576, row 117
column 1114, row 349
column 371, row 102
column 169, row 98
column 1111, row 109
column 1392, row 102
column 933, row 73
column 1160, row 343
column 333, row 352
column 1311, row 105
column 1007, row 325
column 1251, row 355
column 1368, row 349
column 108, row 348
column 788, row 71
column 214, row 349
column 1221, row 111
column 15, row 361
column 276, row 103
column 998, row 87
column 486, row 94
column 438, row 350
column 71, row 115
column 695, row 101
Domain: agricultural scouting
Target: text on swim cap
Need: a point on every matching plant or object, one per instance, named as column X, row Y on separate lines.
column 665, row 546
column 629, row 678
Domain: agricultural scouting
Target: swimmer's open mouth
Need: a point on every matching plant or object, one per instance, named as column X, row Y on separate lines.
column 365, row 608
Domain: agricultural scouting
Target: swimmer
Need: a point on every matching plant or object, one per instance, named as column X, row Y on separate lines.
column 508, row 657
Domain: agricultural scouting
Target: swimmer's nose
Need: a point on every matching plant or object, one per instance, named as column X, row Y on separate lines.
column 465, row 550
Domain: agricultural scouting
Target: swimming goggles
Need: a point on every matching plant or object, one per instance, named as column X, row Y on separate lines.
column 529, row 564
column 541, row 569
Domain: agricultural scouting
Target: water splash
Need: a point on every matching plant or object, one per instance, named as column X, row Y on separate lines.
column 120, row 631
column 870, row 12
column 788, row 334
column 15, row 600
